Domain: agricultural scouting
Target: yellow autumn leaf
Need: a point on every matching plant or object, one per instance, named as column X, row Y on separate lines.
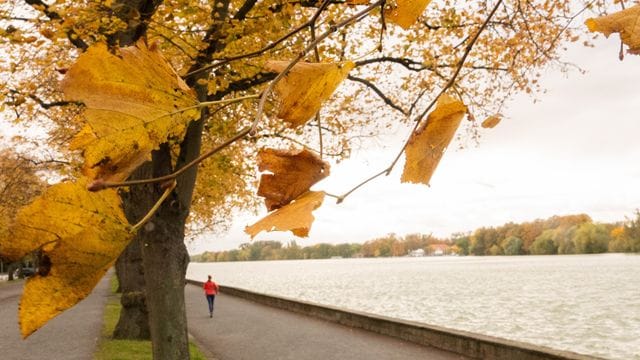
column 427, row 145
column 625, row 22
column 290, row 174
column 405, row 12
column 295, row 217
column 79, row 235
column 133, row 102
column 491, row 121
column 307, row 85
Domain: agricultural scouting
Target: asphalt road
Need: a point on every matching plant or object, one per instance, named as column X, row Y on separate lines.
column 243, row 330
column 71, row 335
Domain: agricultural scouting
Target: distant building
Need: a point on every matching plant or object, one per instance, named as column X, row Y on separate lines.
column 416, row 253
column 439, row 249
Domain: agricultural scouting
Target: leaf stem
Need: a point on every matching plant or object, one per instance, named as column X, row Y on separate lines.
column 200, row 105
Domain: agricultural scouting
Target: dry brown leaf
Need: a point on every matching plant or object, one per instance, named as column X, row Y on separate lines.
column 79, row 233
column 491, row 121
column 295, row 217
column 307, row 85
column 405, row 12
column 132, row 106
column 427, row 145
column 625, row 22
column 291, row 174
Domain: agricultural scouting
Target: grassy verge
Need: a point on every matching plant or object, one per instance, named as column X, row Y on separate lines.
column 111, row 349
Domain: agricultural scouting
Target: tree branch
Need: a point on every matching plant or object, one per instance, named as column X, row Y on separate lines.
column 419, row 118
column 375, row 89
column 361, row 14
column 52, row 15
column 99, row 184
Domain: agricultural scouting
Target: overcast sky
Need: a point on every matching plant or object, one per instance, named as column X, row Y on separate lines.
column 575, row 151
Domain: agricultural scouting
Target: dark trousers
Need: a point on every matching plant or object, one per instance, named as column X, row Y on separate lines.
column 210, row 299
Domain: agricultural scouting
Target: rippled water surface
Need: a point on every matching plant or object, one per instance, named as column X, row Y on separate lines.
column 584, row 303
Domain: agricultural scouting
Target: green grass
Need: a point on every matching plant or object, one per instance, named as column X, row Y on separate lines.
column 111, row 349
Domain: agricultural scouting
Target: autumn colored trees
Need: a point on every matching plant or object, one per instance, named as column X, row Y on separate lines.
column 570, row 234
column 170, row 101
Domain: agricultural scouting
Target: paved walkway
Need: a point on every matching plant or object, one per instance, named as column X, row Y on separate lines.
column 72, row 335
column 239, row 330
column 244, row 330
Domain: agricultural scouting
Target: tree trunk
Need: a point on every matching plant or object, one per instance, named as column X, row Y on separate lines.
column 11, row 269
column 164, row 254
column 134, row 317
column 164, row 257
column 165, row 260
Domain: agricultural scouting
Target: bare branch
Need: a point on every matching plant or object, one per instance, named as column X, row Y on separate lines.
column 100, row 185
column 304, row 52
column 375, row 89
column 419, row 118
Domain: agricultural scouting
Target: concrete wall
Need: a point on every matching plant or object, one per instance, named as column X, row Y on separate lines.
column 468, row 344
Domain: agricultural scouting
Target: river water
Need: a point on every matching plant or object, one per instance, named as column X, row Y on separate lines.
column 589, row 304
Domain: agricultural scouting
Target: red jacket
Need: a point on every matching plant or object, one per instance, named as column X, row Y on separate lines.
column 210, row 288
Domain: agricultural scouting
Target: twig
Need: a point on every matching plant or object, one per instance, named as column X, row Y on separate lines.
column 379, row 92
column 99, row 184
column 418, row 119
column 316, row 55
column 215, row 102
column 303, row 53
column 449, row 84
column 257, row 52
column 155, row 208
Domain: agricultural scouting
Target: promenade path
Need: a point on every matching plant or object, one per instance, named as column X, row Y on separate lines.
column 239, row 330
column 244, row 330
column 72, row 335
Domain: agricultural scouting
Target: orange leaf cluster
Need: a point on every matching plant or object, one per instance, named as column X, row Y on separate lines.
column 427, row 145
column 286, row 190
column 291, row 174
column 305, row 87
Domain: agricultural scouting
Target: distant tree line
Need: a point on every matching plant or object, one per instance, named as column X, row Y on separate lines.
column 571, row 234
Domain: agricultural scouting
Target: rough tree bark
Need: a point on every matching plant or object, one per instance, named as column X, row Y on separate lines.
column 165, row 259
column 134, row 317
